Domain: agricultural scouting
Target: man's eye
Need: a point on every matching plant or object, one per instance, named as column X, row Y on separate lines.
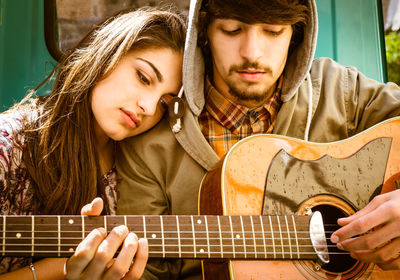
column 273, row 33
column 231, row 32
column 143, row 78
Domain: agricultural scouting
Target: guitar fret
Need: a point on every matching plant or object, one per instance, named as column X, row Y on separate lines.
column 125, row 222
column 290, row 242
column 254, row 237
column 83, row 227
column 179, row 237
column 162, row 236
column 4, row 235
column 105, row 223
column 296, row 238
column 273, row 237
column 208, row 237
column 144, row 227
column 244, row 238
column 263, row 236
column 194, row 237
column 233, row 239
column 33, row 236
column 59, row 235
column 220, row 237
column 280, row 234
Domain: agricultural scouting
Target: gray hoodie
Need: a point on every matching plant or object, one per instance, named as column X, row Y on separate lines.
column 322, row 102
column 297, row 66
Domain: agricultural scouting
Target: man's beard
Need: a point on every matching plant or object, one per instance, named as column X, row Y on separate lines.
column 245, row 93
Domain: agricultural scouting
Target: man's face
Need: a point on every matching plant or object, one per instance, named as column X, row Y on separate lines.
column 247, row 59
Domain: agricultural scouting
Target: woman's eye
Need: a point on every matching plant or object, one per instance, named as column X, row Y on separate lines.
column 231, row 32
column 143, row 78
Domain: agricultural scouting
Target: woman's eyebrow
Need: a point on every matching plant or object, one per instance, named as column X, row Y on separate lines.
column 158, row 74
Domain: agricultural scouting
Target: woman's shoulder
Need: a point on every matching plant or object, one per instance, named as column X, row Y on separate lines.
column 16, row 194
column 12, row 126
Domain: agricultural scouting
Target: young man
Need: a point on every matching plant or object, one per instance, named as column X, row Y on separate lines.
column 260, row 77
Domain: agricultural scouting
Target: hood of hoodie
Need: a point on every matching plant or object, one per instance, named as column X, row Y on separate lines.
column 297, row 65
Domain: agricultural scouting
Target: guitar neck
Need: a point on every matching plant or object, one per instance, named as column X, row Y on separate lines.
column 196, row 237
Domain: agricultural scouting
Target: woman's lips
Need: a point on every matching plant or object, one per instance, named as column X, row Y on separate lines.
column 130, row 118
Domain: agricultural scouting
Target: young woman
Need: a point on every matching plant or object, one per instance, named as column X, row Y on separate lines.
column 57, row 151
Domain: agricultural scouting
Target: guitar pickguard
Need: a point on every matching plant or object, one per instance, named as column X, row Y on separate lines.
column 357, row 178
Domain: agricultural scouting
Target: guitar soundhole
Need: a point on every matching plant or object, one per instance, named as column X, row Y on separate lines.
column 340, row 261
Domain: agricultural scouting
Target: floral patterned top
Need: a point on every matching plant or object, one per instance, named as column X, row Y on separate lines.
column 16, row 191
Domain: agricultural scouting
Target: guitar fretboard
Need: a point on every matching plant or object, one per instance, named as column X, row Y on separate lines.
column 203, row 237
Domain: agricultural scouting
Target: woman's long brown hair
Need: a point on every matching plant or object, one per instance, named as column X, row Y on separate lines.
column 60, row 154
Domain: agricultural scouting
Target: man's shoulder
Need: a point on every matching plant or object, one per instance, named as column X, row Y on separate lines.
column 160, row 134
column 326, row 64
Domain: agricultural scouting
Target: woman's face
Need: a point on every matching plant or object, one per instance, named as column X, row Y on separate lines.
column 127, row 102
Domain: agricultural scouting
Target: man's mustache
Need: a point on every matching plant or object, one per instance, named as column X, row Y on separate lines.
column 250, row 65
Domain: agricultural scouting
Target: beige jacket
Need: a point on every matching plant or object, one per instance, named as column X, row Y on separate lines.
column 323, row 101
column 161, row 172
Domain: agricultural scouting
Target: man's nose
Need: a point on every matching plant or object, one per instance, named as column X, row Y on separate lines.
column 252, row 45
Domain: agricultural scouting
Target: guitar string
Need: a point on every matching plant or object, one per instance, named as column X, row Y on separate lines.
column 217, row 243
column 201, row 246
column 166, row 238
column 140, row 224
column 189, row 224
column 154, row 238
column 24, row 252
column 170, row 245
column 147, row 224
column 171, row 232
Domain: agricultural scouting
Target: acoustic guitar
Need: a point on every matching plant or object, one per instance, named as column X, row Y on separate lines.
column 277, row 175
column 266, row 211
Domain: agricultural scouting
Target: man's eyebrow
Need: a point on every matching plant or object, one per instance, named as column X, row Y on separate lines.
column 158, row 74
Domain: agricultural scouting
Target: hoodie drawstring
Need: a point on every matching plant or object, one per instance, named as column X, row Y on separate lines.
column 177, row 113
column 309, row 113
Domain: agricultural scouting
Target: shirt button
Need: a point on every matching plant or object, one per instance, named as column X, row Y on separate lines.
column 253, row 114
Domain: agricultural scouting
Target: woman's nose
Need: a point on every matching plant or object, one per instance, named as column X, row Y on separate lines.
column 148, row 105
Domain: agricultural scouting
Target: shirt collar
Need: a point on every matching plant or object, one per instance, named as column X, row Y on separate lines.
column 231, row 115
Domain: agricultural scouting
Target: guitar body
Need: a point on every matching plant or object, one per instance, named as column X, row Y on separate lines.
column 268, row 174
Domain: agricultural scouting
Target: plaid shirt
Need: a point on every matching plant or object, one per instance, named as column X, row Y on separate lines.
column 224, row 123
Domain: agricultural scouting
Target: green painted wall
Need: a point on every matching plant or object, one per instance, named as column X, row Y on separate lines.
column 24, row 59
column 350, row 32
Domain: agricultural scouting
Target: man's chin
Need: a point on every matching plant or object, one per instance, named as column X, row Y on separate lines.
column 248, row 96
